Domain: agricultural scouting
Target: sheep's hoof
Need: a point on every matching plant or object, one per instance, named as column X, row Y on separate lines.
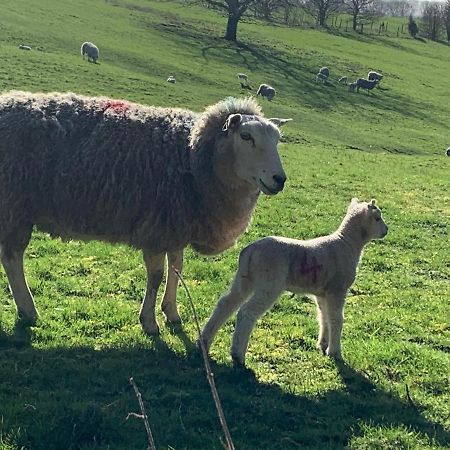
column 337, row 356
column 150, row 329
column 238, row 363
column 172, row 316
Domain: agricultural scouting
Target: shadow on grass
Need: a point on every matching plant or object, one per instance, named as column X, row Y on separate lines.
column 79, row 398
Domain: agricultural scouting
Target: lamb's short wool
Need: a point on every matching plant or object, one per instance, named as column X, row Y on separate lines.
column 324, row 267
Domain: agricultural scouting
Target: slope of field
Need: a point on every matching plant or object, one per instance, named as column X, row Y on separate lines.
column 64, row 383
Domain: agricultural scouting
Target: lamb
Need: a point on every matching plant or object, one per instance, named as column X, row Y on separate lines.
column 171, row 79
column 266, row 91
column 24, row 47
column 448, row 152
column 242, row 77
column 323, row 267
column 320, row 77
column 343, row 80
column 365, row 84
column 352, row 87
column 157, row 179
column 372, row 75
column 325, row 71
column 91, row 50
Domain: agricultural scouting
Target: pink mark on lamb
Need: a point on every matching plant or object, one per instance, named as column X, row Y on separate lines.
column 305, row 269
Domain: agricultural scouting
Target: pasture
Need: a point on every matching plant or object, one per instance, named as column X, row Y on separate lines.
column 64, row 383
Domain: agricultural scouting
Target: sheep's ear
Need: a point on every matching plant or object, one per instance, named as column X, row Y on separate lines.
column 279, row 122
column 371, row 204
column 232, row 122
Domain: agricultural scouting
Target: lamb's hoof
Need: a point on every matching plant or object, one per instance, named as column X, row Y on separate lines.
column 238, row 363
column 337, row 356
column 150, row 329
column 172, row 315
column 322, row 347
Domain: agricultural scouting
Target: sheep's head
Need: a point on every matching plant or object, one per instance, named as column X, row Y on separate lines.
column 370, row 219
column 448, row 151
column 253, row 141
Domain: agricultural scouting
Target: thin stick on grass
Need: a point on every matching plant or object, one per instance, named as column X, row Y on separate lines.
column 209, row 374
column 143, row 416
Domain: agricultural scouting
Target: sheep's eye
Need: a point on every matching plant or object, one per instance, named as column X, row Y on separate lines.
column 377, row 219
column 246, row 136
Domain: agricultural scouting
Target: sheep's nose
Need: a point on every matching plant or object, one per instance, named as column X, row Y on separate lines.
column 280, row 180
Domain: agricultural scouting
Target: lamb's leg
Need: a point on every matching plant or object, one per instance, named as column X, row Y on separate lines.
column 155, row 269
column 335, row 319
column 12, row 251
column 169, row 302
column 322, row 341
column 228, row 303
column 261, row 301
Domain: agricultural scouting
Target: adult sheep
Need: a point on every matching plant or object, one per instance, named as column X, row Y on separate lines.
column 157, row 179
column 372, row 75
column 91, row 50
column 266, row 91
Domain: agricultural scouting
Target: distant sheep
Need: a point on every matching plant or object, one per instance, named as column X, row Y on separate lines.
column 343, row 80
column 24, row 47
column 242, row 77
column 448, row 151
column 325, row 71
column 365, row 84
column 372, row 75
column 321, row 78
column 352, row 86
column 266, row 91
column 323, row 267
column 91, row 50
column 171, row 79
column 157, row 179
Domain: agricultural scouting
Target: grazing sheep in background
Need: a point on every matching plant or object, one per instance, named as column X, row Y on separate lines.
column 448, row 151
column 321, row 78
column 242, row 77
column 266, row 91
column 171, row 79
column 158, row 179
column 343, row 80
column 352, row 87
column 246, row 86
column 91, row 50
column 323, row 267
column 325, row 71
column 24, row 47
column 365, row 84
column 372, row 75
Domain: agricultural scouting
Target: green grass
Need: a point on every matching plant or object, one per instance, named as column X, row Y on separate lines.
column 64, row 383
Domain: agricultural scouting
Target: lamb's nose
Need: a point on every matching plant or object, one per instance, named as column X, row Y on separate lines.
column 280, row 180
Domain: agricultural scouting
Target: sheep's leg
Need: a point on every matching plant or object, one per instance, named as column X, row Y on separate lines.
column 12, row 252
column 228, row 303
column 169, row 302
column 322, row 341
column 335, row 319
column 248, row 314
column 155, row 269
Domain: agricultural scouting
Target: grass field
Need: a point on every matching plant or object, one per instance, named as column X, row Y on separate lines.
column 64, row 383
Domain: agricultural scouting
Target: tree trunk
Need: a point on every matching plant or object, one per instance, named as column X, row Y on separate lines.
column 355, row 16
column 231, row 33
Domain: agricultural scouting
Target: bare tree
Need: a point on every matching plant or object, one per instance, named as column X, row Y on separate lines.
column 446, row 18
column 321, row 9
column 398, row 8
column 432, row 19
column 357, row 8
column 235, row 9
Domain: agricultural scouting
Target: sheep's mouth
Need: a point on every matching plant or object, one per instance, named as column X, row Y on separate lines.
column 267, row 190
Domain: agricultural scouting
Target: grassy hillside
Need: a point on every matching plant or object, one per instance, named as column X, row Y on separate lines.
column 64, row 383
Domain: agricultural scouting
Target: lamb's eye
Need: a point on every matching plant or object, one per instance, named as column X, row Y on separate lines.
column 377, row 219
column 246, row 136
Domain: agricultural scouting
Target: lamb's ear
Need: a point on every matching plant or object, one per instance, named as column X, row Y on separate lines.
column 371, row 204
column 232, row 122
column 278, row 122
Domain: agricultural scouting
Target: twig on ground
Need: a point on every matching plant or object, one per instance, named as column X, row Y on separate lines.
column 143, row 416
column 209, row 374
column 409, row 397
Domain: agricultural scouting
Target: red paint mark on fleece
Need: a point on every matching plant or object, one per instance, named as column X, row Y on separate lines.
column 116, row 106
column 314, row 268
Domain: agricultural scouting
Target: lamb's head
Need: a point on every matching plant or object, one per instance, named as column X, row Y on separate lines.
column 369, row 219
column 253, row 142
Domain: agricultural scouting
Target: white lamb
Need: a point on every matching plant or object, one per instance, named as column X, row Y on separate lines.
column 324, row 267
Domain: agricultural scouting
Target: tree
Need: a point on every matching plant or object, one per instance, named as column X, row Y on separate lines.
column 432, row 20
column 321, row 9
column 412, row 27
column 446, row 18
column 235, row 10
column 358, row 7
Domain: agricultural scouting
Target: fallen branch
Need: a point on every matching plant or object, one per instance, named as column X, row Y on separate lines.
column 209, row 374
column 143, row 416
